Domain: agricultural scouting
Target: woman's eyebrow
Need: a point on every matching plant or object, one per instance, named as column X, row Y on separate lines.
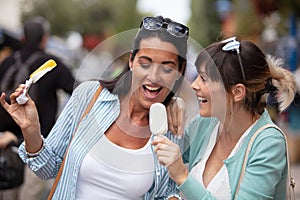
column 145, row 57
column 164, row 62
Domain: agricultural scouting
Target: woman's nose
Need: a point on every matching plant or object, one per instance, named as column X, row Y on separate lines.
column 196, row 83
column 154, row 74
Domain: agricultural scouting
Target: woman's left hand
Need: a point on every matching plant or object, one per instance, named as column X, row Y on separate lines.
column 176, row 111
column 169, row 155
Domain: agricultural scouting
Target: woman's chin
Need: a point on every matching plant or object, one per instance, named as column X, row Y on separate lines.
column 204, row 114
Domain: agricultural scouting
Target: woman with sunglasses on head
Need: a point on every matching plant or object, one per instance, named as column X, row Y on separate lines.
column 233, row 81
column 110, row 156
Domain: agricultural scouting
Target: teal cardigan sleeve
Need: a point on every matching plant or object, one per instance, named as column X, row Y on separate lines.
column 193, row 190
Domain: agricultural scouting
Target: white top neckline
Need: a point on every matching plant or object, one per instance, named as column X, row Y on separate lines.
column 219, row 186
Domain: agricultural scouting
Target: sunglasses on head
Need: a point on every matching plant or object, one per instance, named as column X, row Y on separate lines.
column 231, row 44
column 174, row 28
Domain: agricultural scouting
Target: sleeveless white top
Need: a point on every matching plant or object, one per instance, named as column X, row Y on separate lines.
column 109, row 171
column 219, row 186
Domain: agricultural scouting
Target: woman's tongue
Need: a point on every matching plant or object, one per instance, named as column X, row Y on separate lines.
column 151, row 92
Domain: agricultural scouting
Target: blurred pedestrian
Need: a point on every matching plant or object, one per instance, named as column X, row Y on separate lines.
column 44, row 92
column 9, row 42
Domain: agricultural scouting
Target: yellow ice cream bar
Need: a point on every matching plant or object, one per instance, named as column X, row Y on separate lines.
column 34, row 77
column 47, row 66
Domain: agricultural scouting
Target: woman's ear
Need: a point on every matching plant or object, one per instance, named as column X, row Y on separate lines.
column 182, row 70
column 130, row 61
column 238, row 92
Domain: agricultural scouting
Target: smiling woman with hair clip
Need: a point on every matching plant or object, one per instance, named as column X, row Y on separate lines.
column 233, row 148
column 109, row 153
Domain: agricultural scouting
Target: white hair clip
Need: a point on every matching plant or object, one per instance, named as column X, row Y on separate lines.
column 233, row 44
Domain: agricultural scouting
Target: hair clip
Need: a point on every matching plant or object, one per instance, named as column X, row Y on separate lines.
column 232, row 44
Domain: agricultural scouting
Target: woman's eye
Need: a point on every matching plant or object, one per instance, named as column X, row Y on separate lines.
column 167, row 70
column 203, row 78
column 145, row 65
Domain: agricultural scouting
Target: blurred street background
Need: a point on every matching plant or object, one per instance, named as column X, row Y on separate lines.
column 78, row 26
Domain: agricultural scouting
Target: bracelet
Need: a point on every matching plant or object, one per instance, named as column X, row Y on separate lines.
column 31, row 155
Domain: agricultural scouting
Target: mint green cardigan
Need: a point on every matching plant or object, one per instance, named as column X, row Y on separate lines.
column 266, row 171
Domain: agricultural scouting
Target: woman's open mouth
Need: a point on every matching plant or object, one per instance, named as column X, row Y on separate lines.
column 202, row 100
column 151, row 91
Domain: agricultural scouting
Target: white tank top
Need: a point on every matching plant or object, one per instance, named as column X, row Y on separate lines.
column 111, row 172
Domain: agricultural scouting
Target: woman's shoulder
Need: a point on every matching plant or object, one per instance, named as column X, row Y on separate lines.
column 269, row 128
column 270, row 138
column 273, row 131
column 201, row 122
column 87, row 87
column 88, row 84
column 85, row 90
column 200, row 127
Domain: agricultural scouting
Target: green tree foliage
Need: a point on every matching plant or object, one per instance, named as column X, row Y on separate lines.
column 85, row 16
column 205, row 23
column 248, row 21
column 249, row 15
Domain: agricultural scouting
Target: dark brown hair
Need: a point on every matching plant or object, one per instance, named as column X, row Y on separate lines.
column 121, row 84
column 224, row 66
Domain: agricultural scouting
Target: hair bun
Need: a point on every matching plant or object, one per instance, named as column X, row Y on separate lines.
column 283, row 80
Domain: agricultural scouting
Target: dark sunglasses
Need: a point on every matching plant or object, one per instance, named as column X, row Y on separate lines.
column 174, row 28
column 232, row 44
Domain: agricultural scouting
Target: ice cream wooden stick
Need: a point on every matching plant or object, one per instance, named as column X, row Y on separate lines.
column 34, row 77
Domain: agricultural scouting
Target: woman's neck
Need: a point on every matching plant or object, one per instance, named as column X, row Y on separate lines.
column 134, row 111
column 234, row 125
column 133, row 119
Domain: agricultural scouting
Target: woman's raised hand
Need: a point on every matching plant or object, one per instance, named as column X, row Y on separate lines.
column 176, row 111
column 169, row 155
column 26, row 115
